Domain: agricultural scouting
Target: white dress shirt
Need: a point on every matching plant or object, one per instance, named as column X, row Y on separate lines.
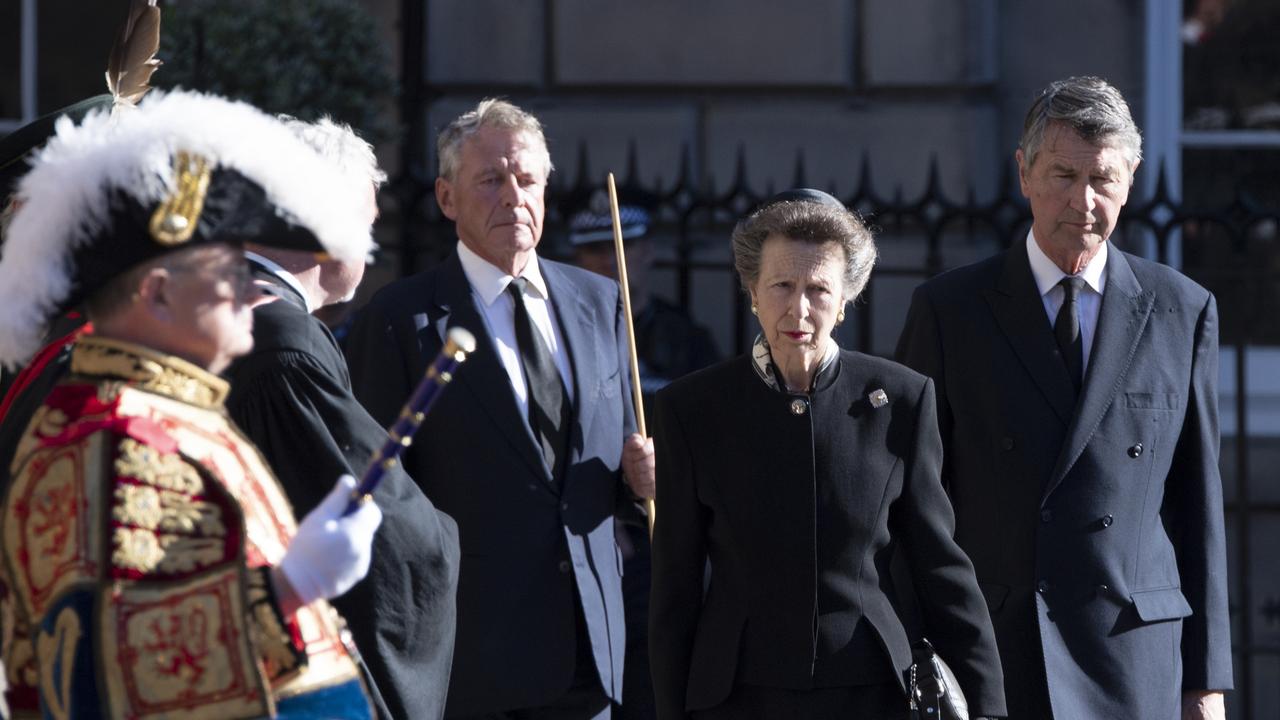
column 1048, row 275
column 283, row 274
column 497, row 309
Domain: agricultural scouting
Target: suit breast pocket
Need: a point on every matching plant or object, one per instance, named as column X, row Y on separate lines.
column 1152, row 400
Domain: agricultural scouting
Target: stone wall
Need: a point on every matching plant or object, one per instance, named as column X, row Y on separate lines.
column 824, row 83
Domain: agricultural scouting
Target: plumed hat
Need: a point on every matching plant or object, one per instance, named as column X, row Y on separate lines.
column 181, row 170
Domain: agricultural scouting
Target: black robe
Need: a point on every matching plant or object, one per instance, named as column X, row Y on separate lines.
column 292, row 397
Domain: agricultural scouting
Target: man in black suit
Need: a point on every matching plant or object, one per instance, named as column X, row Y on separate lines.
column 524, row 448
column 1077, row 399
column 292, row 396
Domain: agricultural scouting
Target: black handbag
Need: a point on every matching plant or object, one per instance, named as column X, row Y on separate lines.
column 935, row 693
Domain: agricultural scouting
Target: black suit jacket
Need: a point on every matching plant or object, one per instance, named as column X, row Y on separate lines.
column 529, row 553
column 292, row 397
column 799, row 508
column 1095, row 527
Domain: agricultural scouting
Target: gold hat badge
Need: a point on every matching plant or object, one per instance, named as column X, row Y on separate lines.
column 175, row 220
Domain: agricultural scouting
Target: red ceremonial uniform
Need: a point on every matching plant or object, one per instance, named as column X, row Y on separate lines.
column 139, row 533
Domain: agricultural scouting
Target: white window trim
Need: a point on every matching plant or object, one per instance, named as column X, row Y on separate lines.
column 1231, row 139
column 1163, row 136
column 1162, row 126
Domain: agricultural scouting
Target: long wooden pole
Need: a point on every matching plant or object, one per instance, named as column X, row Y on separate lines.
column 636, row 393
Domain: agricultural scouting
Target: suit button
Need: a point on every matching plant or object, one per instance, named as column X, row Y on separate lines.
column 1006, row 443
column 565, row 566
column 1106, row 521
column 1042, row 587
column 799, row 406
column 564, row 506
column 1046, row 515
column 532, row 487
column 1136, row 450
column 1103, row 588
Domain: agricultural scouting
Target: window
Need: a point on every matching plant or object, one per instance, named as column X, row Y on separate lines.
column 1213, row 121
column 17, row 39
column 56, row 63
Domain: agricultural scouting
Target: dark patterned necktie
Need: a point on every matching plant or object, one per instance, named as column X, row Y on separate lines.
column 548, row 401
column 1067, row 329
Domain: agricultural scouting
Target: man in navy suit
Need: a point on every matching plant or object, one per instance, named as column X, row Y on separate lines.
column 528, row 447
column 1077, row 399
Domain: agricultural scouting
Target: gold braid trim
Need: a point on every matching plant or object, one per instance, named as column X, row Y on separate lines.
column 148, row 370
column 280, row 657
column 175, row 220
column 163, row 525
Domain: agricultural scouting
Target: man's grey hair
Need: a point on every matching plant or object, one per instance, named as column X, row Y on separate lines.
column 811, row 222
column 493, row 113
column 338, row 143
column 1091, row 107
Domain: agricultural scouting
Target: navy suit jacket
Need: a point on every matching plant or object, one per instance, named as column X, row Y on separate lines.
column 530, row 553
column 1095, row 526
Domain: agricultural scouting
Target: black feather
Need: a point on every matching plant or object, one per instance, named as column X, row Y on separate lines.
column 133, row 56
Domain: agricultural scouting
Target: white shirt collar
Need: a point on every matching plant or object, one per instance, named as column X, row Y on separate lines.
column 489, row 282
column 1048, row 275
column 762, row 361
column 283, row 274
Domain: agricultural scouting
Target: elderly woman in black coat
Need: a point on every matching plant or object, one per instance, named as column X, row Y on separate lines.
column 798, row 470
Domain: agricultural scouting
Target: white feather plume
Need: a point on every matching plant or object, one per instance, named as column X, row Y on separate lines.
column 65, row 196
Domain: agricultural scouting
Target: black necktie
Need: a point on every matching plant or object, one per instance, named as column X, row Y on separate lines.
column 548, row 401
column 1067, row 329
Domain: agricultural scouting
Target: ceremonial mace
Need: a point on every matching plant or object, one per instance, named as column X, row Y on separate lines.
column 631, row 330
column 458, row 344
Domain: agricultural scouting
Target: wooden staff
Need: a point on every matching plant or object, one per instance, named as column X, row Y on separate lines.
column 631, row 330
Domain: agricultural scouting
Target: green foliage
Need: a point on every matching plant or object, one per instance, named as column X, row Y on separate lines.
column 306, row 58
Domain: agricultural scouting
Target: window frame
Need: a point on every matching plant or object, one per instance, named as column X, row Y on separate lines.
column 26, row 70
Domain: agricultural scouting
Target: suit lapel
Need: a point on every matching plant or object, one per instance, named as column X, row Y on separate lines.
column 1121, row 321
column 573, row 315
column 483, row 374
column 1018, row 309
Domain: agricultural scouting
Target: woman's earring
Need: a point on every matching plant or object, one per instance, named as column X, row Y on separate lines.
column 840, row 317
column 754, row 310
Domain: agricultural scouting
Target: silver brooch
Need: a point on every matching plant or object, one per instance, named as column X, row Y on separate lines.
column 878, row 398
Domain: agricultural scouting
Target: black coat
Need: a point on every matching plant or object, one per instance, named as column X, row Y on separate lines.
column 1096, row 528
column 799, row 508
column 530, row 552
column 292, row 397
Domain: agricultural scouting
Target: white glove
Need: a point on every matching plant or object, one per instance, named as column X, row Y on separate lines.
column 331, row 553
